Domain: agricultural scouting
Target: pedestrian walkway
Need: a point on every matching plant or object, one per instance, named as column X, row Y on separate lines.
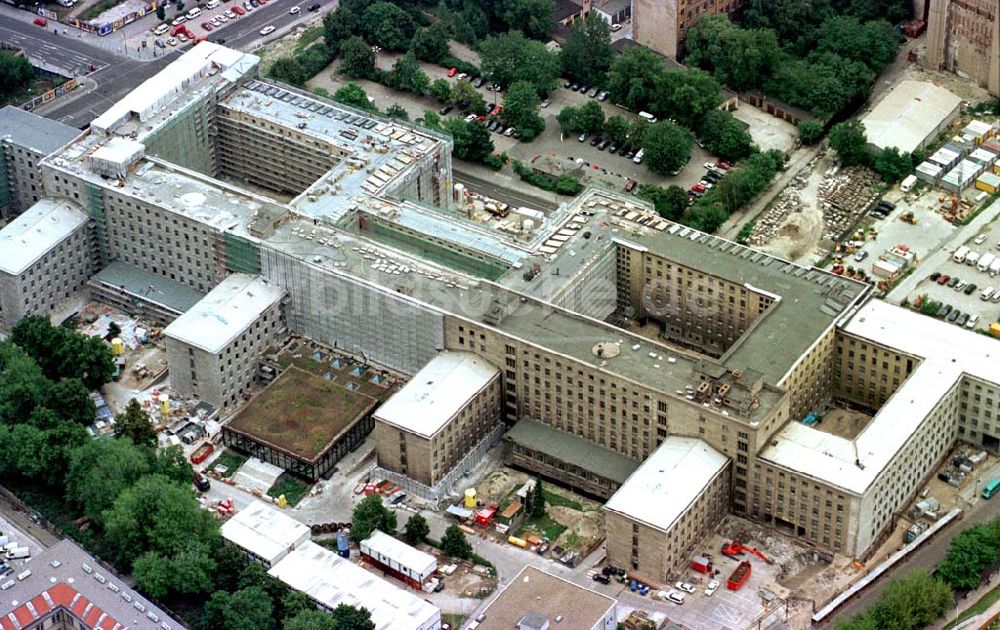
column 971, row 599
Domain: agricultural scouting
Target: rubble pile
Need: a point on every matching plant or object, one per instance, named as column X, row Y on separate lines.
column 767, row 225
column 844, row 195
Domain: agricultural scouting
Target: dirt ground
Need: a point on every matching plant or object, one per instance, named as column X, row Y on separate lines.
column 847, row 423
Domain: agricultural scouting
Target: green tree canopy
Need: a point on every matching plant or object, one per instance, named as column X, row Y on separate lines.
column 810, row 131
column 725, row 136
column 431, row 43
column 590, row 117
column 567, row 119
column 357, row 59
column 472, row 140
column 849, row 140
column 440, row 89
column 354, row 95
column 135, row 424
column 354, row 618
column 397, row 111
column 616, row 128
column 532, row 17
column 289, row 70
column 892, row 165
column 16, row 73
column 406, row 75
column 70, row 400
column 371, row 514
column 632, row 77
column 511, row 57
column 385, row 24
column 587, row 53
column 522, row 109
column 667, row 147
column 454, row 543
column 100, row 470
column 311, row 620
column 246, row 609
column 669, row 203
column 22, row 384
column 908, row 603
column 416, row 529
column 465, row 96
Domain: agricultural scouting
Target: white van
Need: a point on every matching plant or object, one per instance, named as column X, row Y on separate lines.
column 960, row 254
column 212, row 4
column 17, row 552
column 908, row 183
column 972, row 258
column 647, row 117
column 986, row 294
column 193, row 13
column 985, row 261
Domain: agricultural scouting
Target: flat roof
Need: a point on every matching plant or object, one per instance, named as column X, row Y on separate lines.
column 331, row 580
column 572, row 449
column 228, row 309
column 908, row 114
column 417, row 561
column 148, row 286
column 533, row 590
column 437, row 392
column 668, row 482
column 948, row 353
column 37, row 230
column 66, row 576
column 35, row 132
column 264, row 531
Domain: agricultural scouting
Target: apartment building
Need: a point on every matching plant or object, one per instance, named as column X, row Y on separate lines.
column 25, row 139
column 963, row 36
column 212, row 349
column 45, row 257
column 429, row 425
column 666, row 506
column 663, row 24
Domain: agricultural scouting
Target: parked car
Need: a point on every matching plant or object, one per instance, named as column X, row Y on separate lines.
column 860, row 255
column 713, row 585
column 593, row 92
column 160, row 43
column 615, row 28
column 172, row 41
column 630, row 185
column 600, row 577
column 943, row 279
column 980, row 239
column 962, row 319
column 180, row 19
column 955, row 314
column 952, row 282
column 161, row 29
column 675, row 597
column 509, row 132
column 567, row 84
column 613, row 148
column 462, row 76
column 267, row 30
column 723, row 165
column 934, row 276
column 545, row 103
column 470, row 118
column 207, row 26
column 961, row 284
column 215, row 21
column 479, row 82
column 684, row 586
column 452, row 71
column 603, row 96
column 41, row 21
column 575, row 87
column 230, row 15
column 582, row 137
column 603, row 144
column 238, row 10
column 445, row 110
column 945, row 310
column 698, row 188
column 595, row 141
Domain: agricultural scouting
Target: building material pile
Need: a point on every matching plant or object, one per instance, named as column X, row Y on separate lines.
column 844, row 195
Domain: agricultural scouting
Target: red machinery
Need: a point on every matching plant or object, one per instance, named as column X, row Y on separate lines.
column 736, row 548
column 740, row 576
column 701, row 564
column 201, row 453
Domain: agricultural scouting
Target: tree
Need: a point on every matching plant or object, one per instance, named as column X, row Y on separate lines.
column 872, row 43
column 100, row 470
column 464, row 96
column 354, row 95
column 353, row 618
column 454, row 543
column 970, row 553
column 22, row 384
column 431, row 120
column 892, row 165
column 440, row 89
column 590, row 117
column 71, row 401
column 632, row 77
column 587, row 53
column 385, row 24
column 289, row 70
column 406, row 75
column 637, row 131
column 522, row 109
column 295, row 602
column 616, row 128
column 187, row 573
column 161, row 12
column 511, row 57
column 532, row 17
column 311, row 620
column 738, row 58
column 416, row 529
column 567, row 119
column 848, row 139
column 396, row 111
column 171, row 463
column 472, row 140
column 914, row 601
column 431, row 44
column 135, row 424
column 810, row 131
column 42, row 341
column 537, row 502
column 155, row 514
column 357, row 58
column 246, row 609
column 86, row 358
column 684, row 96
column 667, row 147
column 371, row 514
column 725, row 136
column 669, row 203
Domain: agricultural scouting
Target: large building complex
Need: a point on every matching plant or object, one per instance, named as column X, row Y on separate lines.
column 602, row 335
column 963, row 36
column 663, row 24
column 24, row 140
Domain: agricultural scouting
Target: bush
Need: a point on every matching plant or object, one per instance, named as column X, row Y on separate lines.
column 495, row 160
column 810, row 131
column 563, row 185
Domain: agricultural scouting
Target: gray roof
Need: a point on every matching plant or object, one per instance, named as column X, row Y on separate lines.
column 572, row 449
column 33, row 131
column 149, row 286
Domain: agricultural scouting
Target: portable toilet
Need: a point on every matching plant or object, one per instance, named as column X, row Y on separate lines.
column 165, row 404
column 470, row 498
column 117, row 347
column 343, row 543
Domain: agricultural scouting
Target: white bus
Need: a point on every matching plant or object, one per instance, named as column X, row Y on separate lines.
column 647, row 117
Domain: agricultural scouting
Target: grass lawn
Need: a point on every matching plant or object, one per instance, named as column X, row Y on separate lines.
column 291, row 486
column 544, row 525
column 308, row 36
column 557, row 499
column 984, row 602
column 453, row 621
column 231, row 460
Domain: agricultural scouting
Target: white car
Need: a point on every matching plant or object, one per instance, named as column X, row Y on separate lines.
column 545, row 103
column 980, row 239
column 470, row 118
column 180, row 19
column 161, row 29
column 172, row 41
column 509, row 132
column 229, row 15
column 294, row 11
column 267, row 30
column 182, row 37
column 461, row 75
column 247, row 7
column 215, row 21
column 675, row 597
column 713, row 585
column 212, row 4
column 684, row 586
column 616, row 27
column 709, row 166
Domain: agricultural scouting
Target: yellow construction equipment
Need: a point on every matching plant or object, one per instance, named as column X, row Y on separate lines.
column 908, row 217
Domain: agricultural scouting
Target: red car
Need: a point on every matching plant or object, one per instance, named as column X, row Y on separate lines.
column 41, row 21
column 496, row 110
column 207, row 26
column 722, row 165
column 238, row 10
column 943, row 279
column 480, row 118
column 698, row 188
column 452, row 72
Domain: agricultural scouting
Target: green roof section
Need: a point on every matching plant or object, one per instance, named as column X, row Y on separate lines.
column 572, row 449
column 148, row 286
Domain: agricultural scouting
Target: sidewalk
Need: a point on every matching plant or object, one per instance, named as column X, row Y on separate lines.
column 970, row 600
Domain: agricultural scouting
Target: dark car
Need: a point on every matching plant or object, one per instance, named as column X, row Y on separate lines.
column 439, row 587
column 628, row 152
column 934, row 276
column 953, row 282
column 969, row 290
column 713, row 176
column 201, row 482
column 314, row 7
column 479, row 82
column 575, row 87
column 944, row 310
column 887, row 204
column 603, row 144
column 955, row 314
column 445, row 110
column 963, row 319
column 584, row 88
column 613, row 148
column 596, row 140
column 603, row 579
column 567, row 84
column 630, row 185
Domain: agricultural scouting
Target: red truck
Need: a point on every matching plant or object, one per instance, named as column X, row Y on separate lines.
column 740, row 576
